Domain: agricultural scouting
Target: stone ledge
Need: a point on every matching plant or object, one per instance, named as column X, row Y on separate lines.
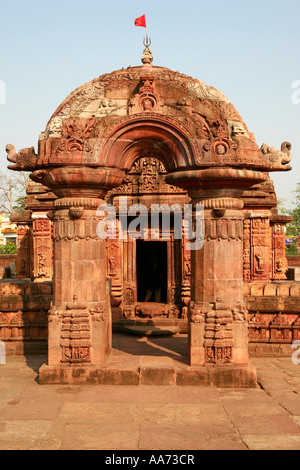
column 147, row 373
column 267, row 349
column 52, row 375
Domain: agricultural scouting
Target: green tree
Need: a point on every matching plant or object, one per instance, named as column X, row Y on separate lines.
column 8, row 249
column 293, row 228
column 19, row 206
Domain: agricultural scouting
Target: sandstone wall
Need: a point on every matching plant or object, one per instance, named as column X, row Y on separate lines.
column 24, row 309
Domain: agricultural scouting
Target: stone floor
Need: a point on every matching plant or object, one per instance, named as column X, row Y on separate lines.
column 143, row 417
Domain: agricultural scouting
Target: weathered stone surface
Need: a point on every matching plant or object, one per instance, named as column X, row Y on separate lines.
column 154, row 136
column 148, row 417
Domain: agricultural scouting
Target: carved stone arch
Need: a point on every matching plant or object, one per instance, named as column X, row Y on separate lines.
column 148, row 135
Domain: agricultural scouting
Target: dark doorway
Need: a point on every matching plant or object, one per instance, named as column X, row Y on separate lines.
column 151, row 259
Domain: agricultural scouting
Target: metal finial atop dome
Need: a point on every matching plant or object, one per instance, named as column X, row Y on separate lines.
column 147, row 57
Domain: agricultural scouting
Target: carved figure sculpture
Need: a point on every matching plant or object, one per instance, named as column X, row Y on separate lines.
column 24, row 160
column 279, row 159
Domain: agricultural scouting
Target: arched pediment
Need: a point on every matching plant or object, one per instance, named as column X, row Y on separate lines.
column 148, row 135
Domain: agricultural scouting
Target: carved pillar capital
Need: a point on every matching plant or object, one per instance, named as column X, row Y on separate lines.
column 79, row 181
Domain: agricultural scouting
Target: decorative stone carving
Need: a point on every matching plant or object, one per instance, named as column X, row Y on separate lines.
column 128, row 296
column 230, row 229
column 240, row 312
column 98, row 313
column 91, row 151
column 55, row 314
column 76, row 212
column 146, row 176
column 204, row 149
column 24, row 160
column 221, row 147
column 147, row 57
column 197, row 314
column 69, row 229
column 146, row 100
column 260, row 248
column 75, row 335
column 278, row 159
column 246, row 252
column 280, row 329
column 279, row 267
column 237, row 129
column 55, row 127
column 200, row 90
column 42, row 241
column 296, row 329
column 258, row 328
column 218, row 336
column 76, row 131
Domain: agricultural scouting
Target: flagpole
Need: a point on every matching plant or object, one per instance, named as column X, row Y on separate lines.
column 147, row 41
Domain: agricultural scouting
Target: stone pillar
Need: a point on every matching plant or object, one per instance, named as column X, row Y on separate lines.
column 80, row 330
column 80, row 319
column 218, row 328
column 218, row 321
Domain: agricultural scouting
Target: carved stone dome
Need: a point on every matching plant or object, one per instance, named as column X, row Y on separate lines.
column 131, row 103
column 109, row 122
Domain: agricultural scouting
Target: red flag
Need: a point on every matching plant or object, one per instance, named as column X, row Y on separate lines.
column 140, row 21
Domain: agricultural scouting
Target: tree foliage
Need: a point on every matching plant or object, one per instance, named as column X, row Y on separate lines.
column 13, row 189
column 9, row 248
column 293, row 228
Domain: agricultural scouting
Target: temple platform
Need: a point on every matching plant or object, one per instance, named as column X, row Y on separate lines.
column 110, row 418
column 150, row 360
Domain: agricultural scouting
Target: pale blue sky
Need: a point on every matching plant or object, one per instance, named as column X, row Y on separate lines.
column 247, row 49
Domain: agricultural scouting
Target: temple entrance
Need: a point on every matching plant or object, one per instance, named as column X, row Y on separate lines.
column 130, row 263
column 151, row 264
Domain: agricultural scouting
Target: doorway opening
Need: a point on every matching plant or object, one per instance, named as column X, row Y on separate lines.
column 151, row 260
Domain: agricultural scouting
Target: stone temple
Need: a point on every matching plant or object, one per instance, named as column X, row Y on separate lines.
column 150, row 136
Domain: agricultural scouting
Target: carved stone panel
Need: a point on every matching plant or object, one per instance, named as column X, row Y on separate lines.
column 260, row 249
column 279, row 262
column 43, row 250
